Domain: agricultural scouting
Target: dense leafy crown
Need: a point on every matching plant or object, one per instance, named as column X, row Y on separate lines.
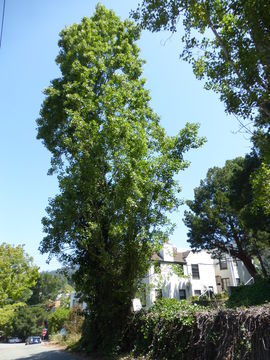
column 222, row 216
column 114, row 159
column 17, row 274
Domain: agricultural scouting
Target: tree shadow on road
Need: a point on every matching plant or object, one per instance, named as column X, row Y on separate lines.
column 50, row 355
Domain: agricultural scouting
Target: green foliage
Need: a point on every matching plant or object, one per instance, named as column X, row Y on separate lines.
column 57, row 319
column 254, row 294
column 7, row 315
column 17, row 274
column 115, row 166
column 48, row 286
column 74, row 323
column 221, row 216
column 227, row 43
column 170, row 308
column 261, row 188
column 162, row 331
column 178, row 270
column 157, row 269
column 27, row 321
column 213, row 335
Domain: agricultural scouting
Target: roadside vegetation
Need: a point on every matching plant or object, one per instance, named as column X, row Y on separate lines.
column 29, row 300
column 177, row 330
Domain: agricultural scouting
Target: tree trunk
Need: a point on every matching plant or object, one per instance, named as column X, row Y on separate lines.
column 247, row 262
column 262, row 265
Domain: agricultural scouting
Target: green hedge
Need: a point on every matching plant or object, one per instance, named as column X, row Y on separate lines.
column 249, row 295
column 175, row 330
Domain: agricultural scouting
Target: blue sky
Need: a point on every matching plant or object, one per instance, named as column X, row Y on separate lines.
column 29, row 48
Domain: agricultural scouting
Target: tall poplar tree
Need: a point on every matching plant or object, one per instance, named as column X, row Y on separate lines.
column 115, row 166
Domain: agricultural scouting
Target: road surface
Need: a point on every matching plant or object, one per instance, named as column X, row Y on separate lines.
column 34, row 352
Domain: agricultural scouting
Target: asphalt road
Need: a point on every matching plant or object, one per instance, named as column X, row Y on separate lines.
column 34, row 352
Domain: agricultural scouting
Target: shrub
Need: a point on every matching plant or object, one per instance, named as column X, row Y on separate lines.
column 220, row 334
column 28, row 320
column 57, row 319
column 74, row 322
column 255, row 294
column 166, row 325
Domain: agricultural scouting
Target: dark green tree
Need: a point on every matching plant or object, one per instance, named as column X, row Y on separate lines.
column 221, row 216
column 261, row 188
column 27, row 321
column 227, row 43
column 115, row 166
column 48, row 286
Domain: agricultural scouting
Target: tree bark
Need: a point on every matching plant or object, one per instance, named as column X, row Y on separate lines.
column 246, row 261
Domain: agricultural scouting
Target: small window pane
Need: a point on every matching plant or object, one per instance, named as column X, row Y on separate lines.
column 197, row 292
column 158, row 293
column 195, row 271
column 225, row 282
column 223, row 264
column 182, row 294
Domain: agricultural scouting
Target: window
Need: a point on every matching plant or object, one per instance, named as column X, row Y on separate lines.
column 143, row 298
column 182, row 294
column 223, row 264
column 195, row 271
column 157, row 269
column 158, row 293
column 225, row 282
column 197, row 292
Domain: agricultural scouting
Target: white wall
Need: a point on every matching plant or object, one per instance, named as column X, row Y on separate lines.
column 206, row 271
column 244, row 275
column 209, row 268
column 170, row 283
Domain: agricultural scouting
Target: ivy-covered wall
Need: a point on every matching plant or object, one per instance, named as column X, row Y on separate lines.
column 171, row 330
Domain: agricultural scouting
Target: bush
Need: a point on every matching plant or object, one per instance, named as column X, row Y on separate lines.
column 28, row 320
column 57, row 319
column 255, row 294
column 220, row 334
column 166, row 325
column 74, row 322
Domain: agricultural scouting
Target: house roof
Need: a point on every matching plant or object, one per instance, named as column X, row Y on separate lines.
column 178, row 257
column 156, row 257
column 181, row 256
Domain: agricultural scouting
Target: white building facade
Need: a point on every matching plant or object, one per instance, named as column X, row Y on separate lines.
column 180, row 275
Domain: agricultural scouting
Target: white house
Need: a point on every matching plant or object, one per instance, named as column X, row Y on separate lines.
column 181, row 274
column 74, row 300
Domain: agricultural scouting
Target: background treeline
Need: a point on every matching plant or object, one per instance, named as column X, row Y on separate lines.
column 31, row 300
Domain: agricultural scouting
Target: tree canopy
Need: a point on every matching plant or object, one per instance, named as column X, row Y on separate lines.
column 222, row 217
column 48, row 286
column 17, row 274
column 27, row 320
column 261, row 188
column 115, row 166
column 227, row 43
